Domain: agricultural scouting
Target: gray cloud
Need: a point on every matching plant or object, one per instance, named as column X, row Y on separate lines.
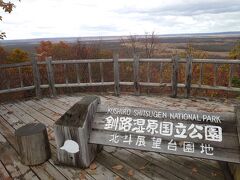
column 188, row 9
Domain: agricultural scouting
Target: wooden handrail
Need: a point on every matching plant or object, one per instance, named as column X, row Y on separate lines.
column 116, row 63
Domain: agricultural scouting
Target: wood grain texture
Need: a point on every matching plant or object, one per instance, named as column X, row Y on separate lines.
column 174, row 76
column 188, row 76
column 50, row 74
column 149, row 164
column 136, row 74
column 76, row 125
column 116, row 74
column 33, row 144
column 36, row 77
column 228, row 150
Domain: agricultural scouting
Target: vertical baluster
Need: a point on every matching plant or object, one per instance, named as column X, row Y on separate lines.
column 148, row 72
column 175, row 66
column 51, row 79
column 89, row 72
column 116, row 74
column 136, row 74
column 36, row 76
column 148, row 75
column 201, row 75
column 215, row 75
column 161, row 73
column 20, row 76
column 230, row 75
column 101, row 72
column 78, row 75
column 188, row 76
column 8, row 78
column 65, row 73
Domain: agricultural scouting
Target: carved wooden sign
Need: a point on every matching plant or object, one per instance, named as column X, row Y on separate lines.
column 196, row 134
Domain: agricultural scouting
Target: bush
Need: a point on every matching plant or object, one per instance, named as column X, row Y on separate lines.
column 236, row 81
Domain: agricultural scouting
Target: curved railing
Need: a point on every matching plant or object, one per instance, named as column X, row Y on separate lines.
column 116, row 82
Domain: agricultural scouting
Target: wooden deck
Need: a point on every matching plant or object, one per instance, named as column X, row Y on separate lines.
column 111, row 163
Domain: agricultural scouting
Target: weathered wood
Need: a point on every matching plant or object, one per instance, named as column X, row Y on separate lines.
column 230, row 141
column 237, row 112
column 33, row 143
column 46, row 112
column 225, row 149
column 78, row 73
column 136, row 74
column 47, row 170
column 161, row 72
column 174, row 76
column 36, row 77
column 100, row 137
column 17, row 89
column 230, row 75
column 65, row 73
column 85, row 84
column 152, row 168
column 50, row 73
column 33, row 112
column 3, row 172
column 188, row 76
column 226, row 170
column 215, row 75
column 10, row 163
column 110, row 161
column 20, row 76
column 202, row 166
column 82, row 61
column 200, row 75
column 15, row 65
column 216, row 62
column 177, row 170
column 137, row 161
column 116, row 74
column 101, row 71
column 148, row 75
column 89, row 73
column 156, row 112
column 209, row 87
column 75, row 125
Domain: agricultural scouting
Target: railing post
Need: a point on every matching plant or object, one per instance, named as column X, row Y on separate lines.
column 136, row 74
column 188, row 76
column 36, row 77
column 237, row 113
column 174, row 75
column 116, row 74
column 50, row 74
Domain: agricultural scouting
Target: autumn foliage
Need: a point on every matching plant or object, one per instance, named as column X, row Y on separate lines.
column 79, row 51
column 64, row 51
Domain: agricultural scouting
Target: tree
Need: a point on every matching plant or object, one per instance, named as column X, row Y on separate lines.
column 235, row 54
column 145, row 45
column 17, row 56
column 150, row 41
column 61, row 51
column 194, row 53
column 3, row 55
column 7, row 7
column 235, row 51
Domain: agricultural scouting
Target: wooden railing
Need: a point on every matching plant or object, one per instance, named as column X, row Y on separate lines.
column 117, row 83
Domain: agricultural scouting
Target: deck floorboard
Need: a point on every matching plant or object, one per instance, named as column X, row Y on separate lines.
column 131, row 164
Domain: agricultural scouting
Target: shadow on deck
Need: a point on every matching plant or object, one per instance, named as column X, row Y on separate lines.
column 111, row 163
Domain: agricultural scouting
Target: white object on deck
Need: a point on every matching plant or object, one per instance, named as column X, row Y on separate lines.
column 70, row 146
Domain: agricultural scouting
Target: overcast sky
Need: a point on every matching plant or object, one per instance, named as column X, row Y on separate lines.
column 71, row 18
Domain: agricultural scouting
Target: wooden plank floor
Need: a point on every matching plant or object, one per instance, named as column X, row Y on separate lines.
column 111, row 163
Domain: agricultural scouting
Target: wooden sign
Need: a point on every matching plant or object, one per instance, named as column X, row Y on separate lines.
column 203, row 135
